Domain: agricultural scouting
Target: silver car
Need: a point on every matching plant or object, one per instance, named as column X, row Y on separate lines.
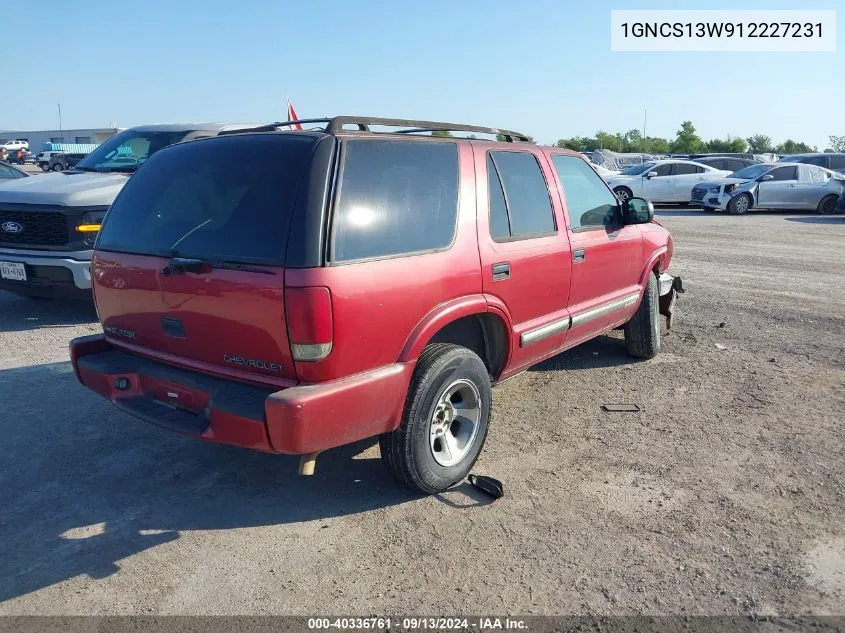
column 772, row 186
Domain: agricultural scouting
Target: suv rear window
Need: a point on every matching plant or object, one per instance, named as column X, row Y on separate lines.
column 395, row 198
column 522, row 194
column 225, row 199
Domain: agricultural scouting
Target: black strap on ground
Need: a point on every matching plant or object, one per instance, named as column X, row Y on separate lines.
column 487, row 485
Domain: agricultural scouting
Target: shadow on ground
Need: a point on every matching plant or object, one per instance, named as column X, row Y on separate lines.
column 603, row 351
column 21, row 313
column 819, row 219
column 85, row 486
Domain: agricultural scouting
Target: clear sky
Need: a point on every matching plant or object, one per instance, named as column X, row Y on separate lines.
column 543, row 67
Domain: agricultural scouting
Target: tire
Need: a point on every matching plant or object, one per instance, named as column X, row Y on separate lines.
column 44, row 166
column 739, row 205
column 417, row 453
column 642, row 332
column 623, row 194
column 827, row 204
column 56, row 167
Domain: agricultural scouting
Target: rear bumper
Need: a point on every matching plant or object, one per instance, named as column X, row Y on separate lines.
column 298, row 420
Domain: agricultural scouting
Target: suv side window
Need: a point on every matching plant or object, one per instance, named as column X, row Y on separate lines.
column 589, row 203
column 837, row 161
column 821, row 161
column 395, row 198
column 525, row 193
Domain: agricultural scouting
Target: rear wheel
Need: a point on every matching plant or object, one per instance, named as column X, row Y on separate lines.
column 642, row 332
column 57, row 167
column 739, row 205
column 445, row 421
column 827, row 204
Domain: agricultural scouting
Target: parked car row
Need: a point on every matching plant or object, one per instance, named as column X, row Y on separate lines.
column 794, row 182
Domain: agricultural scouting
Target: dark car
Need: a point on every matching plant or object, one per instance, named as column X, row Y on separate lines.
column 728, row 163
column 828, row 160
column 62, row 161
column 337, row 284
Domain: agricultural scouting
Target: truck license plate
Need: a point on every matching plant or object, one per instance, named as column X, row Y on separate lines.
column 12, row 270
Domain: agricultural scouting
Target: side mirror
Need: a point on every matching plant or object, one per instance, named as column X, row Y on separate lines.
column 651, row 174
column 765, row 178
column 637, row 211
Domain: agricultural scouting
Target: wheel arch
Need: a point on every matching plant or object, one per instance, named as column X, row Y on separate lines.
column 467, row 321
column 656, row 263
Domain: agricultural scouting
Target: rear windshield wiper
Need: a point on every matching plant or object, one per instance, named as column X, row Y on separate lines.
column 181, row 265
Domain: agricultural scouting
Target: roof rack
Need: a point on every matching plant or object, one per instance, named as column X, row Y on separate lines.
column 337, row 124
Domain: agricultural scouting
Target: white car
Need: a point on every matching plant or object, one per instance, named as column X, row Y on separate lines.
column 604, row 172
column 14, row 146
column 662, row 180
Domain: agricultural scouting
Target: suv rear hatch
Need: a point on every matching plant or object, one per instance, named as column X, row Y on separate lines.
column 189, row 264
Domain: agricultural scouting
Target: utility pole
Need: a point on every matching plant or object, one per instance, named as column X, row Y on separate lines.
column 645, row 119
column 60, row 118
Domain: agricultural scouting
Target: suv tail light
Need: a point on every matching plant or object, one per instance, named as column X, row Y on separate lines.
column 308, row 312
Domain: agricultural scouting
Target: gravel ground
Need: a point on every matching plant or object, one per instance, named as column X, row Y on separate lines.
column 724, row 495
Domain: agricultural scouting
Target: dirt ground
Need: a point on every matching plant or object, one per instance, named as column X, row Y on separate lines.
column 724, row 495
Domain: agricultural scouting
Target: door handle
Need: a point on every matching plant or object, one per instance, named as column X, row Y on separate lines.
column 578, row 255
column 502, row 270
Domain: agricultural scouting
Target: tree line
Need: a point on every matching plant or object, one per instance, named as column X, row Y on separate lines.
column 687, row 141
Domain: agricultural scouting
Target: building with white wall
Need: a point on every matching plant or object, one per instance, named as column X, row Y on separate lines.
column 37, row 138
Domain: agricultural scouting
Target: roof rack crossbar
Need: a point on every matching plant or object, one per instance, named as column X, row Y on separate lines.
column 337, row 124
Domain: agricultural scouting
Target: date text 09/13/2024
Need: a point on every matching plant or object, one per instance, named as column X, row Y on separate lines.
column 417, row 623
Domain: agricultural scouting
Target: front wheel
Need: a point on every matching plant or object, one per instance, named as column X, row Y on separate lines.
column 827, row 204
column 445, row 421
column 623, row 194
column 739, row 205
column 642, row 332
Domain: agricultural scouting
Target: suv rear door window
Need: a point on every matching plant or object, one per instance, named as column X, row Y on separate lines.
column 589, row 202
column 225, row 199
column 395, row 198
column 525, row 192
column 837, row 161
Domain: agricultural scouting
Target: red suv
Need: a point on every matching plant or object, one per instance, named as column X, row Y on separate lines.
column 293, row 291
